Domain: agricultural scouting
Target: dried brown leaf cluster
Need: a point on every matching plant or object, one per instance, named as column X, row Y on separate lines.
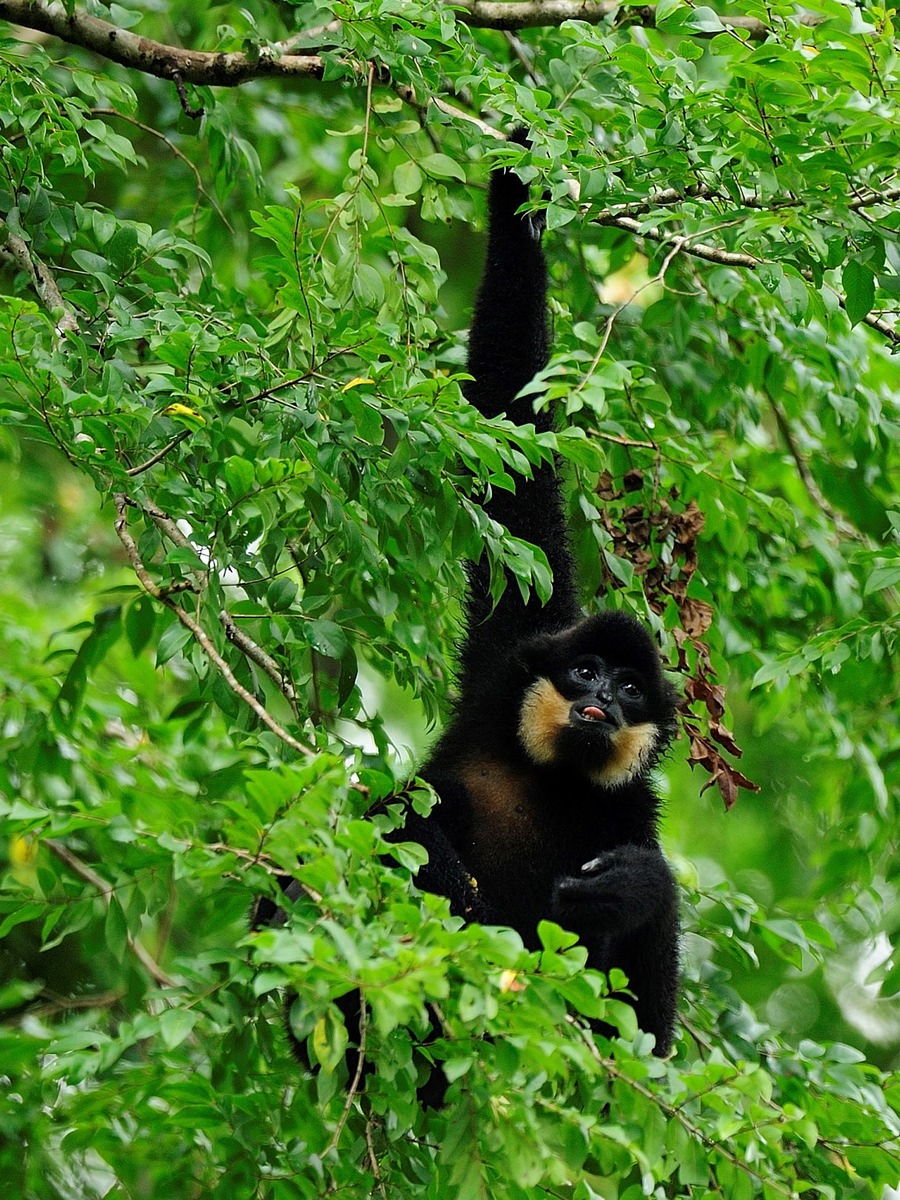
column 640, row 534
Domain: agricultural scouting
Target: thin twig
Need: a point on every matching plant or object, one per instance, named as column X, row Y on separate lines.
column 187, row 108
column 256, row 654
column 179, row 154
column 202, row 638
column 373, row 1160
column 731, row 258
column 812, row 488
column 678, row 244
column 160, row 454
column 105, row 891
column 675, row 1113
column 357, row 1076
column 408, row 95
column 745, row 198
column 51, row 1003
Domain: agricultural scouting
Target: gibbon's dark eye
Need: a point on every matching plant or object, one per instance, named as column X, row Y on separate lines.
column 631, row 689
column 585, row 672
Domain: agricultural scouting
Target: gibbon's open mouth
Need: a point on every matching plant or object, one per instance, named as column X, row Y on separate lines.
column 591, row 713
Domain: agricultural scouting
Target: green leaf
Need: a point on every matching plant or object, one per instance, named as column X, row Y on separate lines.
column 174, row 639
column 407, row 178
column 442, row 166
column 883, row 577
column 115, row 929
column 859, row 290
column 176, row 1024
column 281, row 594
column 140, row 618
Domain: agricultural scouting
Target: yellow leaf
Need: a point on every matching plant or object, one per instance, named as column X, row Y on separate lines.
column 22, row 851
column 355, row 383
column 509, row 982
column 320, row 1040
column 182, row 410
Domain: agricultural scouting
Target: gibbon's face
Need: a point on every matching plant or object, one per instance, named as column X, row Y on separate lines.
column 599, row 702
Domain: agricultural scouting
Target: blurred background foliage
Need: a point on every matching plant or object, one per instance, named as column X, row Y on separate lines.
column 248, row 367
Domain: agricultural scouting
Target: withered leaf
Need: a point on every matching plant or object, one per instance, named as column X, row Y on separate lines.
column 696, row 617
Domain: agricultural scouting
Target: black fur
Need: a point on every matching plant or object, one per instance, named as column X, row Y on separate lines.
column 533, row 818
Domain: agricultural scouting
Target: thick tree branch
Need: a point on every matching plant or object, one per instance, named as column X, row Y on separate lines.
column 529, row 14
column 234, row 68
column 155, row 58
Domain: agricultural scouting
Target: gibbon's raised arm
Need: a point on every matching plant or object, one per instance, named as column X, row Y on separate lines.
column 545, row 767
column 508, row 345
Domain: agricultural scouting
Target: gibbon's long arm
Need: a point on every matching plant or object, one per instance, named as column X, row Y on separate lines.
column 508, row 345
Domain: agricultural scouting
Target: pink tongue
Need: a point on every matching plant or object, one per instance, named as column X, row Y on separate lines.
column 596, row 714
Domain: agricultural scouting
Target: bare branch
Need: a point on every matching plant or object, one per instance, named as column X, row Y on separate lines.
column 187, row 108
column 744, row 198
column 180, row 155
column 357, row 1076
column 159, row 455
column 408, row 96
column 716, row 254
column 42, row 282
column 51, row 1003
column 105, row 890
column 812, row 488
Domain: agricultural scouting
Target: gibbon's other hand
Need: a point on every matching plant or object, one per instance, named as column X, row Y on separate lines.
column 616, row 893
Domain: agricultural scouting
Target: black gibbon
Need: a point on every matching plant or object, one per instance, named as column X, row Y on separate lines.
column 547, row 807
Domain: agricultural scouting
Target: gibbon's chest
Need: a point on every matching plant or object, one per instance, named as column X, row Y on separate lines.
column 512, row 847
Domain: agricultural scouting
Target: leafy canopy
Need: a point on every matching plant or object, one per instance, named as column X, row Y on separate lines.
column 239, row 481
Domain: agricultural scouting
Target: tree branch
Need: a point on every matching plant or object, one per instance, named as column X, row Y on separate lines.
column 160, row 454
column 180, row 155
column 408, row 95
column 200, row 634
column 232, row 69
column 42, row 282
column 745, row 198
column 806, row 477
column 731, row 258
column 155, row 58
column 104, row 890
column 256, row 654
column 529, row 14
